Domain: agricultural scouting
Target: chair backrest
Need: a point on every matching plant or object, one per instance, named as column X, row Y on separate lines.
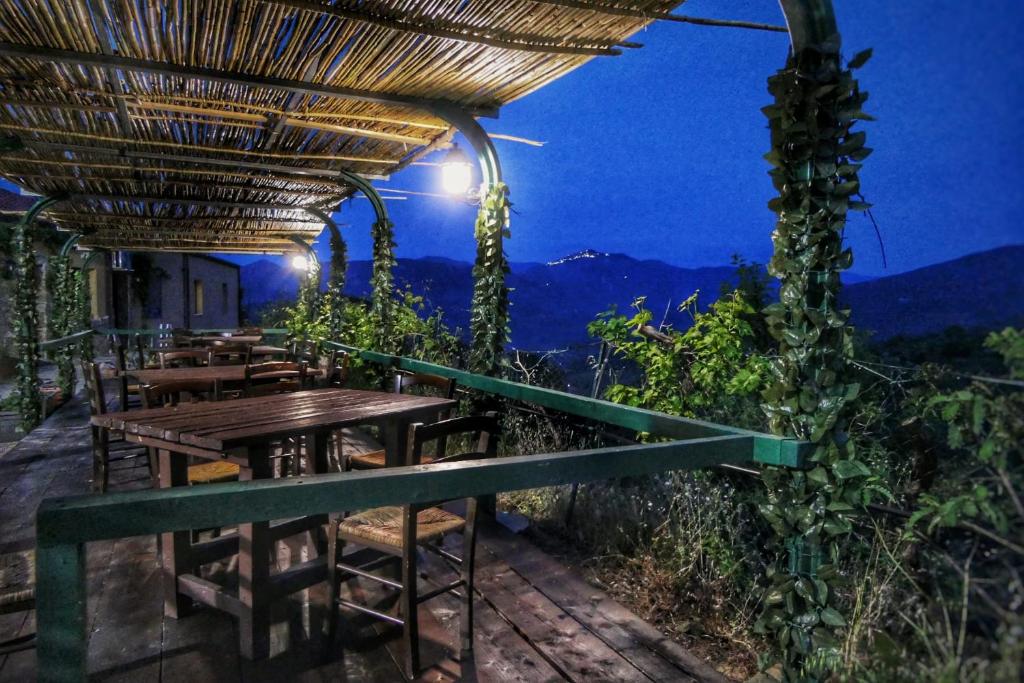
column 140, row 352
column 484, row 429
column 117, row 350
column 268, row 353
column 251, row 331
column 228, row 353
column 94, row 388
column 186, row 358
column 172, row 392
column 305, row 351
column 276, row 377
column 444, row 385
column 336, row 372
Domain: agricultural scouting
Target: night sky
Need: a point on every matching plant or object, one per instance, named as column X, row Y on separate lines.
column 658, row 153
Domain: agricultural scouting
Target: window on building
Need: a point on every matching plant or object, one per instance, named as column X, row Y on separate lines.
column 223, row 297
column 197, row 297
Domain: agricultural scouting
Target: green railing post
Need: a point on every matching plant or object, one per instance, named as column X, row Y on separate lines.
column 60, row 611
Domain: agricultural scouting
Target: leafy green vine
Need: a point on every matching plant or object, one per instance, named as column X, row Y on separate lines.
column 489, row 329
column 25, row 323
column 61, row 285
column 382, row 303
column 335, row 299
column 79, row 292
column 815, row 158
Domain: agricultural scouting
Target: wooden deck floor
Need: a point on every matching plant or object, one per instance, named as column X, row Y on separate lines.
column 535, row 619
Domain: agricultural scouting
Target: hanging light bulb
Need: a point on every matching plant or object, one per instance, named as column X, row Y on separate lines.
column 456, row 172
column 300, row 262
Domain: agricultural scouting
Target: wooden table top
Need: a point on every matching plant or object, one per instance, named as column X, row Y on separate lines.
column 225, row 373
column 223, row 425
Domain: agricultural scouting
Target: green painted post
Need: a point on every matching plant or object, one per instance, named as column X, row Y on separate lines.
column 60, row 611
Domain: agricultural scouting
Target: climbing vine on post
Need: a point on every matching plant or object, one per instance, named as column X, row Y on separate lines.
column 335, row 299
column 25, row 323
column 61, row 286
column 489, row 330
column 82, row 312
column 382, row 301
column 815, row 158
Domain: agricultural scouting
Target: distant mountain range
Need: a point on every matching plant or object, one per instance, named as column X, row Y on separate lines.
column 553, row 302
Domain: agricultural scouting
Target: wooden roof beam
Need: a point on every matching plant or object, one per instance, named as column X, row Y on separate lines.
column 49, row 54
column 659, row 15
column 197, row 201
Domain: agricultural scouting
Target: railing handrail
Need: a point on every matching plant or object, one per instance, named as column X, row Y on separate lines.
column 768, row 448
column 67, row 340
column 149, row 332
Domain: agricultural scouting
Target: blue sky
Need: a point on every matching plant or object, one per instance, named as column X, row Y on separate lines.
column 657, row 153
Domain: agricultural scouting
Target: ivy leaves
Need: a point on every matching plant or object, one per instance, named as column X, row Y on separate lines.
column 815, row 160
column 488, row 321
column 25, row 323
column 382, row 283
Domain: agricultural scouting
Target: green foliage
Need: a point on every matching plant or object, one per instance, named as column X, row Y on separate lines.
column 489, row 328
column 382, row 304
column 61, row 286
column 25, row 323
column 690, row 372
column 815, row 161
column 334, row 299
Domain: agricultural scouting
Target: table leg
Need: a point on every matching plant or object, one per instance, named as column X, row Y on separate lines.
column 318, row 460
column 175, row 546
column 254, row 569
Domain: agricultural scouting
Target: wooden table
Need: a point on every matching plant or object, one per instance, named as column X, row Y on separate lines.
column 241, row 431
column 236, row 339
column 225, row 373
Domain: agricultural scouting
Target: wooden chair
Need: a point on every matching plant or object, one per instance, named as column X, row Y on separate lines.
column 17, row 594
column 337, row 371
column 228, row 353
column 106, row 442
column 268, row 353
column 398, row 531
column 184, row 358
column 172, row 393
column 250, row 331
column 127, row 392
column 305, row 352
column 375, row 459
column 265, row 379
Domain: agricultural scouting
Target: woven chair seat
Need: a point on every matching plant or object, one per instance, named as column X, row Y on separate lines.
column 212, row 472
column 375, row 460
column 17, row 581
column 384, row 525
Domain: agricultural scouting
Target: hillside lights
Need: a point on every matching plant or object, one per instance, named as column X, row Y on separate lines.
column 456, row 172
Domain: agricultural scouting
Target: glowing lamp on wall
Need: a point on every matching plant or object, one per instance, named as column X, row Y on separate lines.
column 300, row 262
column 456, row 172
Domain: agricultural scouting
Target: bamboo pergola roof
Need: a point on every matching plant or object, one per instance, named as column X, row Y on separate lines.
column 204, row 125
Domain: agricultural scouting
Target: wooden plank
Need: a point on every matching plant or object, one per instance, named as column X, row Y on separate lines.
column 648, row 649
column 499, row 652
column 563, row 641
column 125, row 641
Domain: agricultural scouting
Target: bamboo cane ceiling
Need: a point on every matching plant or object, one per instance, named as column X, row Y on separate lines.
column 206, row 124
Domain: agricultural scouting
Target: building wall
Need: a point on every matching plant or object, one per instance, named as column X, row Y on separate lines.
column 172, row 298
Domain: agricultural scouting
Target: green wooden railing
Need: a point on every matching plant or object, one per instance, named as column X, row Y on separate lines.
column 65, row 525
